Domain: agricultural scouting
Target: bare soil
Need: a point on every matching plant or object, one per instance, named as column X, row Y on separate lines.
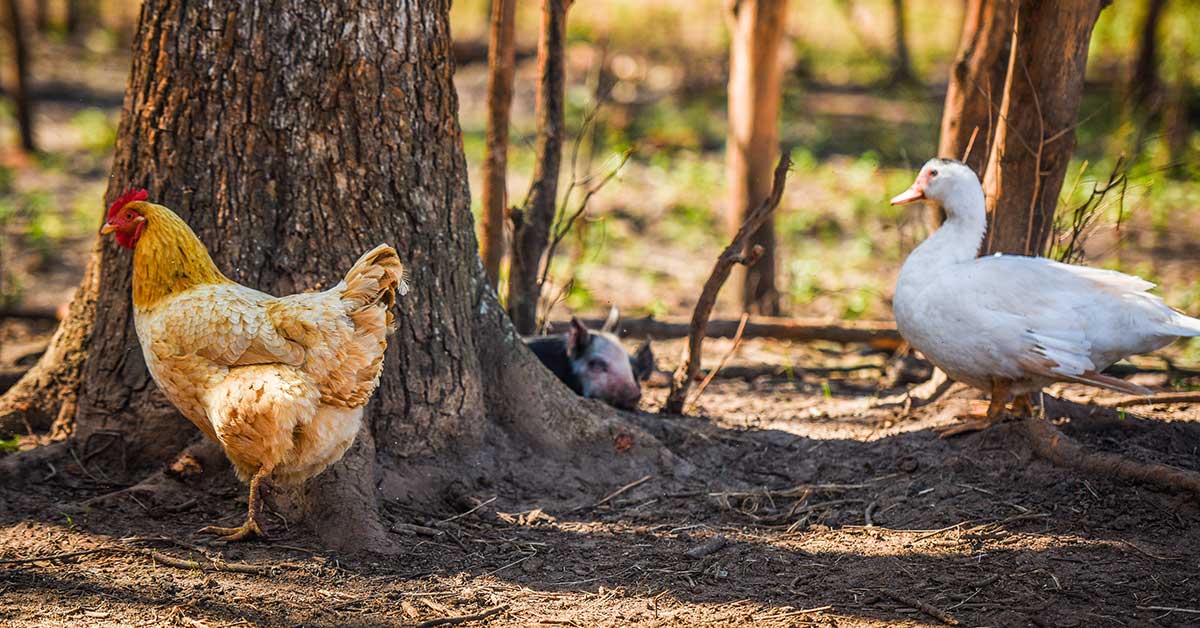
column 810, row 503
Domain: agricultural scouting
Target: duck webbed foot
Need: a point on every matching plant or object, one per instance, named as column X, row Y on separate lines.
column 1001, row 392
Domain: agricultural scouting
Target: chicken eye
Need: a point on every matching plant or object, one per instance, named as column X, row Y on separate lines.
column 128, row 215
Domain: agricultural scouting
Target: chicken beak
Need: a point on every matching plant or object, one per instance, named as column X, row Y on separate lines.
column 914, row 193
column 107, row 228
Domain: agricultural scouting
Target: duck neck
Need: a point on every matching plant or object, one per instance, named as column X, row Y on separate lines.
column 958, row 239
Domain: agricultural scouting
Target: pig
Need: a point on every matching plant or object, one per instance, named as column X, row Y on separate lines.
column 593, row 364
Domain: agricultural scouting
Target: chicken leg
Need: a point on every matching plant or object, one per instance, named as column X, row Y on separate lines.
column 1001, row 391
column 250, row 529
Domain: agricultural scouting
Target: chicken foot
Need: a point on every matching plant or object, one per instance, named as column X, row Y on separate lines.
column 251, row 528
column 1001, row 393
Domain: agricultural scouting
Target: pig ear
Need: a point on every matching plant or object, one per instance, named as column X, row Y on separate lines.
column 610, row 323
column 642, row 362
column 578, row 338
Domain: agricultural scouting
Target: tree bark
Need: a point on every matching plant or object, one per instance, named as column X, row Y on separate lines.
column 19, row 58
column 76, row 16
column 531, row 225
column 292, row 138
column 41, row 16
column 494, row 197
column 754, row 94
column 902, row 71
column 976, row 86
column 1035, row 134
column 1144, row 80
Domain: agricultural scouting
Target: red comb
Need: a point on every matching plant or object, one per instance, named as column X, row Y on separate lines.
column 126, row 198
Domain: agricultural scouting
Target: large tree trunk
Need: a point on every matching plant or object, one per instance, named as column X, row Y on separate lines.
column 292, row 138
column 755, row 92
column 531, row 225
column 976, row 85
column 1035, row 133
column 494, row 197
column 18, row 52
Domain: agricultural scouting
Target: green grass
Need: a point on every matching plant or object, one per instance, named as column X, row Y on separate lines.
column 10, row 445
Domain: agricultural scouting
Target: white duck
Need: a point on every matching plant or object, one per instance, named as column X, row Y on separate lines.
column 1010, row 324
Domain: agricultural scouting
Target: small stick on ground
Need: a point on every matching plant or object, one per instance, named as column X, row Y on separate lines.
column 1170, row 609
column 618, row 492
column 733, row 254
column 1050, row 443
column 870, row 511
column 803, row 611
column 38, row 559
column 463, row 514
column 708, row 547
column 936, row 613
column 211, row 565
column 737, row 342
column 450, row 621
column 158, row 557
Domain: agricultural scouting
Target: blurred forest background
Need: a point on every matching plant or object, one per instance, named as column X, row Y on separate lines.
column 861, row 110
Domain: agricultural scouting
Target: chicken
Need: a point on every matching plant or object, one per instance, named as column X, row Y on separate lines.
column 279, row 382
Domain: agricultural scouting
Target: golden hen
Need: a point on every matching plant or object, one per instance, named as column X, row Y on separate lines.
column 279, row 382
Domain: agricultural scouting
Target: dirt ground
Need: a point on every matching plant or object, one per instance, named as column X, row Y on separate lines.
column 805, row 507
column 808, row 503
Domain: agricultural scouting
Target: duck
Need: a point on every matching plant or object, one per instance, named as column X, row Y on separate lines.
column 1010, row 325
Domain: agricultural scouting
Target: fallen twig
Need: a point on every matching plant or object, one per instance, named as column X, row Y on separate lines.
column 708, row 547
column 936, row 613
column 211, row 565
column 617, row 492
column 463, row 514
column 52, row 557
column 733, row 254
column 449, row 621
column 878, row 334
column 1149, row 400
column 1173, row 609
column 803, row 611
column 33, row 313
column 158, row 557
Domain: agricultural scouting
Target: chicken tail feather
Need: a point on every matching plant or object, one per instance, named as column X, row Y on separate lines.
column 375, row 278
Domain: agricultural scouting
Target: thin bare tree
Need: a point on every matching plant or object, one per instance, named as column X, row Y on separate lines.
column 1144, row 80
column 531, row 223
column 494, row 196
column 754, row 93
column 18, row 45
column 1035, row 129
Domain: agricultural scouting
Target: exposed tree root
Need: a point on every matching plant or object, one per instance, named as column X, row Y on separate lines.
column 1052, row 444
column 1149, row 400
column 45, row 396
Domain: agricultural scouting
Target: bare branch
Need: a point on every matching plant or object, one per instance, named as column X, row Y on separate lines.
column 733, row 254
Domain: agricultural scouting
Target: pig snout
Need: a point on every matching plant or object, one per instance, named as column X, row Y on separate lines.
column 629, row 399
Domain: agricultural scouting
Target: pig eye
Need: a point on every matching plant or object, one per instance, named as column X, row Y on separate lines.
column 932, row 173
column 597, row 365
